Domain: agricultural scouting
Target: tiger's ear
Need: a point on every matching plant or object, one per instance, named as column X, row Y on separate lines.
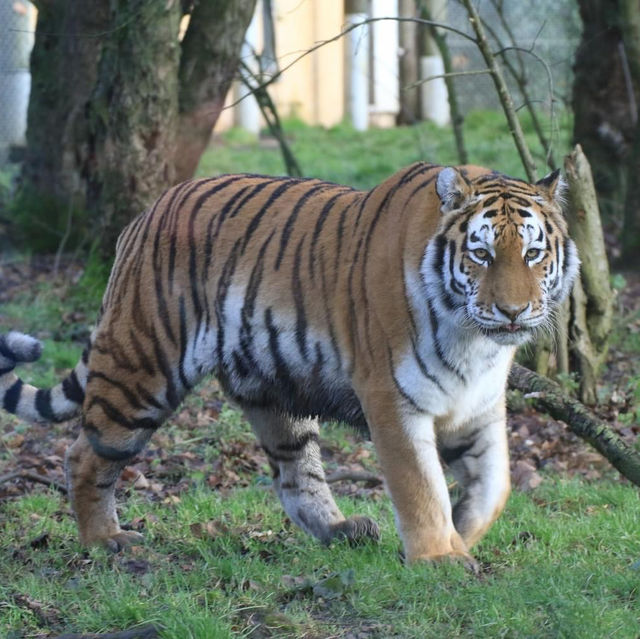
column 452, row 188
column 554, row 185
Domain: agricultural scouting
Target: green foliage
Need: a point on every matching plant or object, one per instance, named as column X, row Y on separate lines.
column 42, row 221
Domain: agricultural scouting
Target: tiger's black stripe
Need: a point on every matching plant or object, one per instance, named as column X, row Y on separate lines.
column 249, row 303
column 12, row 396
column 433, row 319
column 184, row 336
column 298, row 300
column 324, row 213
column 256, row 219
column 223, row 288
column 291, row 220
column 43, row 404
column 127, row 393
column 281, row 369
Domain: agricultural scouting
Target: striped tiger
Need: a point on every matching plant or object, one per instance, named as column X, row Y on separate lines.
column 398, row 309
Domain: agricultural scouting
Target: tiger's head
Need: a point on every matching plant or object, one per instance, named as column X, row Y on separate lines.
column 501, row 255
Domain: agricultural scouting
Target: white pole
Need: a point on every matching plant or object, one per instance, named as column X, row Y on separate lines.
column 357, row 51
column 433, row 94
column 15, row 78
column 386, row 64
column 247, row 112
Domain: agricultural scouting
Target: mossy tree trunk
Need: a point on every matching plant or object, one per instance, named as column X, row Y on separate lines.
column 604, row 93
column 64, row 66
column 132, row 114
column 120, row 110
column 631, row 222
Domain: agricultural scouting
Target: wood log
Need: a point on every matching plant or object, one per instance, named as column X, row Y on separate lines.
column 549, row 397
column 585, row 227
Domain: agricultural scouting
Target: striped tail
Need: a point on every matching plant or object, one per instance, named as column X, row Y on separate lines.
column 33, row 404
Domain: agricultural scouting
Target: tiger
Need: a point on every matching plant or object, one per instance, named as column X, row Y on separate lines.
column 397, row 309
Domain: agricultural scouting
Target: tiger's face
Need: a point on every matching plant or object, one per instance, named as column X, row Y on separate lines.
column 505, row 258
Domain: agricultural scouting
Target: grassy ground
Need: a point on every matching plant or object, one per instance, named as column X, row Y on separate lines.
column 220, row 558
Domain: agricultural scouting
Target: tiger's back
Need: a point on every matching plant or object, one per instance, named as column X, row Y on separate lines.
column 259, row 280
column 397, row 308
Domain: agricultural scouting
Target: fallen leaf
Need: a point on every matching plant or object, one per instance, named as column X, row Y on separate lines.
column 524, row 476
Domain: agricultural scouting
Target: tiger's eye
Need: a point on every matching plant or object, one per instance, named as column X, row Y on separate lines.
column 532, row 253
column 482, row 254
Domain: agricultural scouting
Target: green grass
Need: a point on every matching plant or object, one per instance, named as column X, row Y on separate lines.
column 563, row 561
column 364, row 159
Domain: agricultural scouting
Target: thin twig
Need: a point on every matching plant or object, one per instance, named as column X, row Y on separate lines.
column 503, row 91
column 30, row 476
column 63, row 241
column 452, row 74
column 457, row 119
column 270, row 114
column 354, row 475
column 520, row 78
column 343, row 33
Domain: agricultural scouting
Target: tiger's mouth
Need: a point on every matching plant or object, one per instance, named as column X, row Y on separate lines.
column 508, row 334
column 507, row 328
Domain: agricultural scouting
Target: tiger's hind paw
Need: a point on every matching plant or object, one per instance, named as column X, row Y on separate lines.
column 356, row 530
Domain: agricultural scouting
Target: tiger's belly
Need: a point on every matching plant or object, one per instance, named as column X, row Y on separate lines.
column 270, row 363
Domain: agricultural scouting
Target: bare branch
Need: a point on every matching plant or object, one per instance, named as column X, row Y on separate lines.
column 353, row 475
column 503, row 92
column 343, row 33
column 30, row 476
column 452, row 74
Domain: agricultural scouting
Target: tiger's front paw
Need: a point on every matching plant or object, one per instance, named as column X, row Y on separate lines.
column 470, row 563
column 356, row 530
column 120, row 540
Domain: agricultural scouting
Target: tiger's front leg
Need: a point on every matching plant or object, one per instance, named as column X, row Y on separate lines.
column 406, row 447
column 478, row 457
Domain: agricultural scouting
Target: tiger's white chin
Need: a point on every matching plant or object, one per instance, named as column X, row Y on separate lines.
column 508, row 335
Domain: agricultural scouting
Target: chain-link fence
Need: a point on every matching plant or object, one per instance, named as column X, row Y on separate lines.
column 548, row 29
column 16, row 41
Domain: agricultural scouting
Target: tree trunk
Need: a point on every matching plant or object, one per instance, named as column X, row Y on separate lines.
column 586, row 230
column 103, row 125
column 132, row 114
column 409, row 64
column 68, row 45
column 631, row 224
column 210, row 56
column 604, row 115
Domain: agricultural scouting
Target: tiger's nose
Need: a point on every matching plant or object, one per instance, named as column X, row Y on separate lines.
column 511, row 311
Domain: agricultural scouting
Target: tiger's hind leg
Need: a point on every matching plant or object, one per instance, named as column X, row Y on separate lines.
column 299, row 480
column 116, row 426
column 91, row 480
